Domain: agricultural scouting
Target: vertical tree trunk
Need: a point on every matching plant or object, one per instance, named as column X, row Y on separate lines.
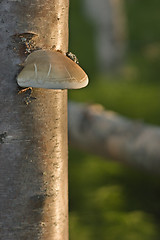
column 33, row 136
column 110, row 32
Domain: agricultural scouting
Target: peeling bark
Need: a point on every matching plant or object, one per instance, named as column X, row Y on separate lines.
column 107, row 134
column 33, row 137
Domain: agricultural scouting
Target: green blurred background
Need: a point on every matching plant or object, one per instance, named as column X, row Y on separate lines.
column 108, row 200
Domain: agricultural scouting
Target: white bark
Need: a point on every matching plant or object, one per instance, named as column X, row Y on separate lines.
column 110, row 31
column 33, row 137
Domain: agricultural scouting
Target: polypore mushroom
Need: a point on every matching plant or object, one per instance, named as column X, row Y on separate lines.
column 52, row 70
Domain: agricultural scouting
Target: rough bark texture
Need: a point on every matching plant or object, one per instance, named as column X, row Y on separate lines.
column 33, row 136
column 107, row 134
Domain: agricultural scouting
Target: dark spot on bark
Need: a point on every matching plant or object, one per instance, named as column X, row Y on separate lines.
column 72, row 56
column 27, row 94
column 27, row 35
column 25, row 43
column 28, row 100
column 37, row 201
column 2, row 137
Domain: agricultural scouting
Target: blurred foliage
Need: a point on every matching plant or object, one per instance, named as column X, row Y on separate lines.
column 109, row 200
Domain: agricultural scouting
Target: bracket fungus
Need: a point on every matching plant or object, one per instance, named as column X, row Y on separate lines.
column 52, row 70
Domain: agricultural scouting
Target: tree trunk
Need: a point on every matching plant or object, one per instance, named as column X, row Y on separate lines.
column 108, row 17
column 107, row 134
column 33, row 136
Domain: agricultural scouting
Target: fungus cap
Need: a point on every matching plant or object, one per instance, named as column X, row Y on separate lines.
column 52, row 70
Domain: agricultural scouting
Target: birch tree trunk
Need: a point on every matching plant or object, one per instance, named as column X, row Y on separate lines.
column 108, row 17
column 33, row 136
column 112, row 136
